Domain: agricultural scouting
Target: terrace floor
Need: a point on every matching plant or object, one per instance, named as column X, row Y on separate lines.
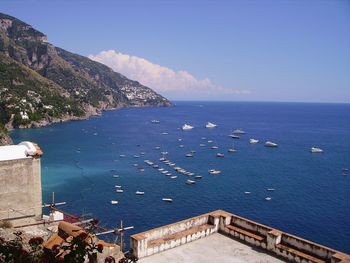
column 214, row 248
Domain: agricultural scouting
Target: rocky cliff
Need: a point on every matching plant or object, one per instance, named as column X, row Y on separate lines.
column 41, row 83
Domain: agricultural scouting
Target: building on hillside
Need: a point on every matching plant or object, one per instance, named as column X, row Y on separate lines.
column 20, row 183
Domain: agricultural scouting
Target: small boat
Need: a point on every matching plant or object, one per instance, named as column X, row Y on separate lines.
column 165, row 133
column 181, row 145
column 231, row 150
column 210, row 125
column 220, row 155
column 122, row 155
column 164, row 172
column 162, row 159
column 210, row 141
column 214, row 147
column 270, row 144
column 253, row 141
column 270, row 189
column 173, row 177
column 247, row 193
column 115, row 175
column 157, row 147
column 167, row 200
column 345, row 169
column 238, row 131
column 268, row 198
column 140, row 193
column 155, row 121
column 136, row 156
column 187, row 127
column 141, row 169
column 155, row 166
column 189, row 155
column 168, row 174
column 135, row 164
column 179, row 139
column 119, row 190
column 234, row 136
column 164, row 153
column 161, row 169
column 190, row 182
column 118, row 186
column 113, row 202
column 316, row 150
column 202, row 145
column 203, row 138
column 214, row 172
column 198, row 177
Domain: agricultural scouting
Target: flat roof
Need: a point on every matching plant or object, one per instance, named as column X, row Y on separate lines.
column 213, row 248
column 19, row 151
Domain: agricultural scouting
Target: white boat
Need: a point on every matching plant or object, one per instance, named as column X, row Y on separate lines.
column 118, row 186
column 181, row 146
column 270, row 189
column 122, row 155
column 187, row 127
column 231, row 150
column 167, row 200
column 165, row 133
column 189, row 155
column 234, row 136
column 190, row 182
column 210, row 125
column 239, row 131
column 220, row 155
column 253, row 141
column 119, row 190
column 214, row 147
column 198, row 177
column 202, row 145
column 136, row 156
column 268, row 198
column 157, row 147
column 210, row 141
column 115, row 175
column 270, row 144
column 316, row 150
column 214, row 172
column 140, row 193
column 155, row 121
column 113, row 202
column 247, row 193
column 173, row 177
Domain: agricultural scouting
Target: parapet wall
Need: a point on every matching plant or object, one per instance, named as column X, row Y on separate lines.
column 273, row 241
column 20, row 190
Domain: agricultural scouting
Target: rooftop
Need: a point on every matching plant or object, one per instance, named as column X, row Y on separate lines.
column 19, row 151
column 214, row 248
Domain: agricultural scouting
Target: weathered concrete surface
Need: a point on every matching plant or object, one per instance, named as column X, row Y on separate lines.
column 20, row 189
column 213, row 248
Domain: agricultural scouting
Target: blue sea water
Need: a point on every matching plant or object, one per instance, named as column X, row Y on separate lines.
column 311, row 197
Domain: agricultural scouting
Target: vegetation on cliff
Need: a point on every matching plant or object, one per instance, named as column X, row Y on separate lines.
column 40, row 83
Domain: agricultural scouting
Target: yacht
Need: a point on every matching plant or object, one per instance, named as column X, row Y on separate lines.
column 113, row 202
column 155, row 121
column 190, row 182
column 231, row 150
column 140, row 193
column 198, row 177
column 189, row 155
column 118, row 186
column 220, row 155
column 210, row 125
column 173, row 177
column 270, row 144
column 247, row 193
column 167, row 199
column 187, row 127
column 268, row 198
column 238, row 131
column 119, row 190
column 214, row 147
column 234, row 136
column 253, row 141
column 316, row 150
column 214, row 172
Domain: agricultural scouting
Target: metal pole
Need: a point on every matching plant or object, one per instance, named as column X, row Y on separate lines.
column 121, row 236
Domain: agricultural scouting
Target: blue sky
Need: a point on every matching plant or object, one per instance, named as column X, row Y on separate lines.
column 232, row 50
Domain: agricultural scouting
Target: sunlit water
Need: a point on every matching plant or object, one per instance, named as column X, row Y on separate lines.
column 311, row 197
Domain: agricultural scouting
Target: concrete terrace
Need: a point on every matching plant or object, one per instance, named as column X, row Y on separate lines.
column 214, row 248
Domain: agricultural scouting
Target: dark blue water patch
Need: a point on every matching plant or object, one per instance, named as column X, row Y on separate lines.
column 311, row 196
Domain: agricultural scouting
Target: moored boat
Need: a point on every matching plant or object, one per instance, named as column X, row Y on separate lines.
column 139, row 193
column 214, row 172
column 210, row 125
column 167, row 199
column 253, row 141
column 187, row 127
column 114, row 202
column 270, row 144
column 220, row 155
column 316, row 150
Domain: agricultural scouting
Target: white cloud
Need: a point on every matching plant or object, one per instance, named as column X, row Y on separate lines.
column 162, row 79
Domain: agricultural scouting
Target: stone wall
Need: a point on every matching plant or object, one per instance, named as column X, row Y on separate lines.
column 20, row 190
column 273, row 241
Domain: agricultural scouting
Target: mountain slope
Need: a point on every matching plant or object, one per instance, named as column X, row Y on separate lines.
column 41, row 83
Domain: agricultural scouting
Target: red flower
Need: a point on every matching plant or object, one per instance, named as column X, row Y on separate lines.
column 83, row 236
column 55, row 249
column 109, row 259
column 99, row 248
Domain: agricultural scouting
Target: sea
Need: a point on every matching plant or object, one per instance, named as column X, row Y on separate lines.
column 83, row 161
